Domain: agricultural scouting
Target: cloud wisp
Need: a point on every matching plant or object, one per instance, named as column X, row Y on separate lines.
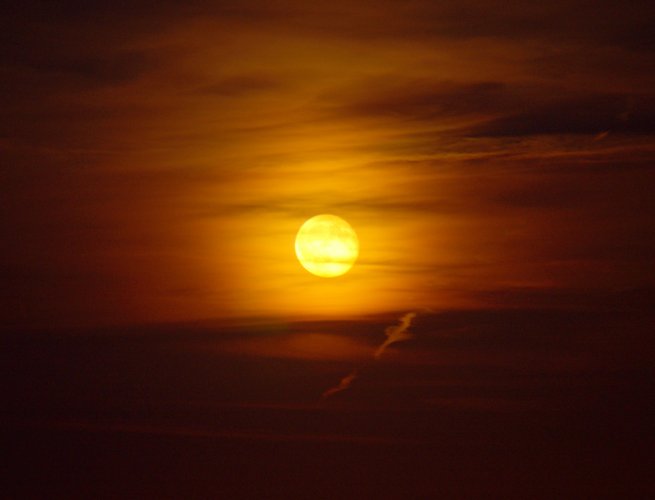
column 343, row 384
column 394, row 333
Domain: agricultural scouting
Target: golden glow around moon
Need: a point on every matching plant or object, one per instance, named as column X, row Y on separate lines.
column 327, row 246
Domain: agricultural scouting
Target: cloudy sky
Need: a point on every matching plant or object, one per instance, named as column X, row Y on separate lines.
column 496, row 160
column 158, row 159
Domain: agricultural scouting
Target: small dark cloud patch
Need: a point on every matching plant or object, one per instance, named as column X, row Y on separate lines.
column 431, row 100
column 616, row 114
column 104, row 70
column 64, row 67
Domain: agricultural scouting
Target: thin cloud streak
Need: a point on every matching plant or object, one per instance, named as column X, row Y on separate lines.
column 343, row 384
column 394, row 333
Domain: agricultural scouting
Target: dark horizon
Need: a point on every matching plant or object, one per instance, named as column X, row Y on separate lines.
column 516, row 403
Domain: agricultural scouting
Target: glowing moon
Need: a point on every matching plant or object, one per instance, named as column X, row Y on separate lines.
column 327, row 246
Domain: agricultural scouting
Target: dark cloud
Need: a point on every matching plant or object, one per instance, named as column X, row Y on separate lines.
column 46, row 59
column 502, row 110
column 431, row 100
column 103, row 70
column 619, row 114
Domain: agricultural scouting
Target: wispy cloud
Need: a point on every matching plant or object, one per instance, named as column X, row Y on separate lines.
column 394, row 333
column 343, row 384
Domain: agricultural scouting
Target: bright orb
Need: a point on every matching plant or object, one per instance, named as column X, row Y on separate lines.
column 327, row 246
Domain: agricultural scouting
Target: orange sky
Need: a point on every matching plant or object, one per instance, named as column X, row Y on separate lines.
column 156, row 164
